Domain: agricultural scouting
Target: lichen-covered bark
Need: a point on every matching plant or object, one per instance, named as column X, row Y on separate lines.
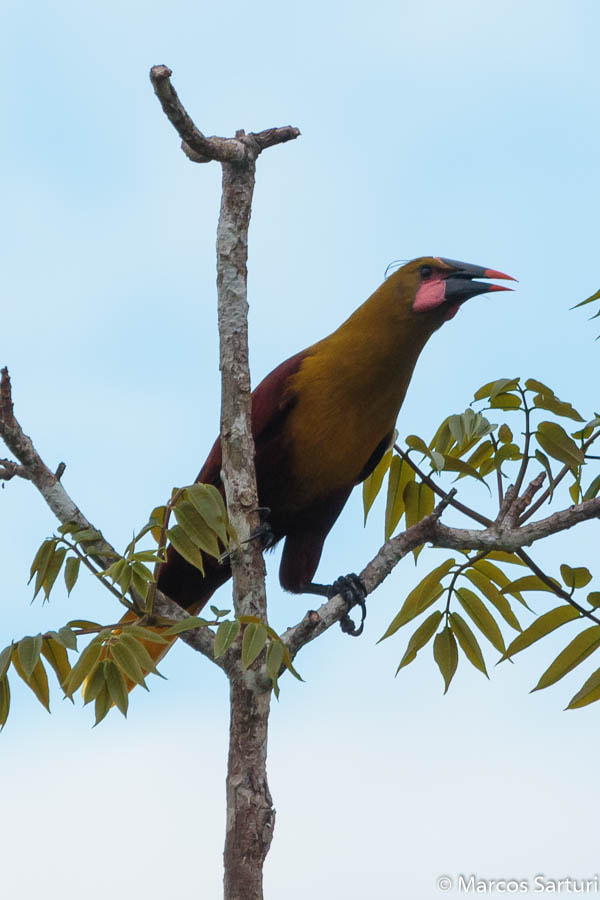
column 250, row 813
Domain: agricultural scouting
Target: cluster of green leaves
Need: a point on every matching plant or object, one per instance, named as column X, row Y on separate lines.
column 257, row 636
column 469, row 446
column 116, row 657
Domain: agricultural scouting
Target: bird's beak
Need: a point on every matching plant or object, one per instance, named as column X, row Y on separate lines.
column 461, row 287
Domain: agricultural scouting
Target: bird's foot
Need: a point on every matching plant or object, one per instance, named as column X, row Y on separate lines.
column 264, row 532
column 352, row 589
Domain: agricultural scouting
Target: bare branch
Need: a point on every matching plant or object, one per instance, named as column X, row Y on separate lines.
column 202, row 149
column 315, row 622
column 8, row 470
column 65, row 510
column 499, row 536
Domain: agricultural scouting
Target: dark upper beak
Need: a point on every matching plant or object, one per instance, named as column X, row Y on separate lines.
column 461, row 287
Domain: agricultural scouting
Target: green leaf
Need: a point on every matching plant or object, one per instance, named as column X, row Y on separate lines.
column 593, row 489
column 145, row 634
column 419, row 501
column 56, row 655
column 255, row 638
column 589, row 693
column 4, row 701
column 505, row 435
column 67, row 637
column 507, row 451
column 401, row 474
column 287, row 661
column 481, row 455
column 43, row 563
column 575, row 578
column 103, row 704
column 556, row 442
column 219, row 613
column 481, row 616
column 157, row 518
column 83, row 667
column 422, row 596
column 493, row 388
column 543, row 459
column 489, row 590
column 445, row 653
column 451, row 464
column 372, row 485
column 420, row 638
column 196, row 529
column 468, row 642
column 93, row 684
column 542, row 626
column 506, row 401
column 538, row 387
column 29, row 649
column 226, row 634
column 68, row 528
column 37, row 680
column 86, row 535
column 52, row 570
column 185, row 547
column 127, row 661
column 117, row 688
column 138, row 649
column 71, row 572
column 41, row 558
column 207, row 501
column 557, row 406
column 5, row 658
column 593, row 598
column 498, row 576
column 125, row 578
column 529, row 583
column 573, row 654
column 416, row 443
column 595, row 296
column 186, row 624
column 274, row 660
column 442, row 439
column 503, row 556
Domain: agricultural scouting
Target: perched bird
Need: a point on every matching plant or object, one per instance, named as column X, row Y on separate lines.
column 323, row 419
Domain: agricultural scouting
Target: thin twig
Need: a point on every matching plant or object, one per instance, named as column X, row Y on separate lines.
column 560, row 592
column 555, row 482
column 477, row 517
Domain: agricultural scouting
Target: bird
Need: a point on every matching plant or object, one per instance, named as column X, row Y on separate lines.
column 323, row 419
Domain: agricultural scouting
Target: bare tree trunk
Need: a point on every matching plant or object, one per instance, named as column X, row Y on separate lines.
column 250, row 816
column 250, row 813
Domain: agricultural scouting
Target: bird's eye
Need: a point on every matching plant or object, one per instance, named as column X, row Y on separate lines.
column 426, row 272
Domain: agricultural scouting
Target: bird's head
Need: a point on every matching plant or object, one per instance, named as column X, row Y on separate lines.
column 436, row 287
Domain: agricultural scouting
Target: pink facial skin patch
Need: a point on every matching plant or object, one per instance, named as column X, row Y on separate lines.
column 430, row 294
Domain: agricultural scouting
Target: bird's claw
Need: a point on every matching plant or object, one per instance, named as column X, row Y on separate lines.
column 353, row 591
column 264, row 532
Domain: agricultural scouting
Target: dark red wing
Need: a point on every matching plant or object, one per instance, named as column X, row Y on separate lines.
column 271, row 400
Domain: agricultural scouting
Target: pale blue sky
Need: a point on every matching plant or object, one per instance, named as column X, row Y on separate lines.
column 464, row 129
